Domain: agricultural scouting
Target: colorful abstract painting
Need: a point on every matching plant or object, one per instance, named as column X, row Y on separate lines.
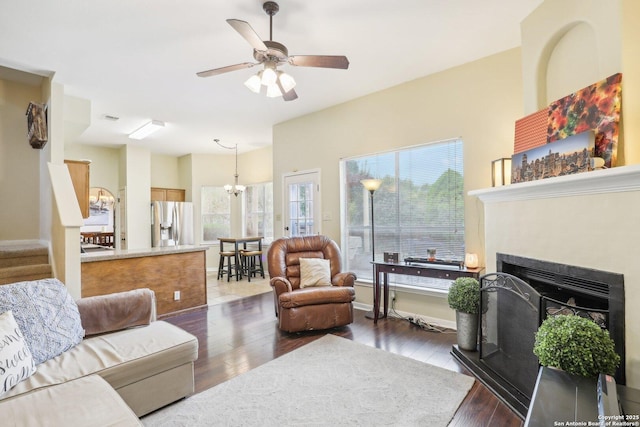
column 597, row 108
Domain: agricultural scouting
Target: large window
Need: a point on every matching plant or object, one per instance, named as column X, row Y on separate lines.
column 418, row 207
column 216, row 213
column 258, row 217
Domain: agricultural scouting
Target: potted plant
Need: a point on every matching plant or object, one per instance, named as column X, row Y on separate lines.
column 576, row 345
column 464, row 297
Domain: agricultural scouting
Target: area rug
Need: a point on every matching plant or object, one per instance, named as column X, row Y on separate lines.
column 332, row 381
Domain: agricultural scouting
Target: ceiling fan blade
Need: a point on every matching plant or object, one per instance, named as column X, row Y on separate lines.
column 290, row 96
column 248, row 33
column 226, row 69
column 323, row 61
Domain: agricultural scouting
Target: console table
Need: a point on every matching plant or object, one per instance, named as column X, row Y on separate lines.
column 383, row 269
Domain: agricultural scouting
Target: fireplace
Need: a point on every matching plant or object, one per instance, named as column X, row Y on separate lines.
column 516, row 299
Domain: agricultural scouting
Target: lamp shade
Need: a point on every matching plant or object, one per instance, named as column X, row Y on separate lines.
column 254, row 83
column 269, row 76
column 273, row 91
column 501, row 172
column 371, row 184
column 471, row 260
column 286, row 81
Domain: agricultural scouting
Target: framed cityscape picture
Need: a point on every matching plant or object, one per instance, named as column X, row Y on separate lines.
column 563, row 157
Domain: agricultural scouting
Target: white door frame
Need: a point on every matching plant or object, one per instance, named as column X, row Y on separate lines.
column 314, row 176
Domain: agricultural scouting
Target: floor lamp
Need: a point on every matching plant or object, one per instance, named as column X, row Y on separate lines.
column 372, row 185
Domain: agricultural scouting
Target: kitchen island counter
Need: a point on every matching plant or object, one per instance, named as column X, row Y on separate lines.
column 177, row 274
column 101, row 253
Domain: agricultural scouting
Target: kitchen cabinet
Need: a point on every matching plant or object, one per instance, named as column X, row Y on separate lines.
column 159, row 194
column 79, row 171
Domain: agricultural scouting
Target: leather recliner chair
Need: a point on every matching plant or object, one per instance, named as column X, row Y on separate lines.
column 311, row 308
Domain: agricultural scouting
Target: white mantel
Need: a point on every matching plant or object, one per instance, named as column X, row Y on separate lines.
column 620, row 179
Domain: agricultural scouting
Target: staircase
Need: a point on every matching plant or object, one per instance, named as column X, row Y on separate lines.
column 24, row 261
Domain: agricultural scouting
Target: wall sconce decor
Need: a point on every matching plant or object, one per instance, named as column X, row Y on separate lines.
column 37, row 132
column 501, row 172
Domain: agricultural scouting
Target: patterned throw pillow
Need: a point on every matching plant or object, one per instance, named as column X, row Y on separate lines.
column 16, row 363
column 46, row 314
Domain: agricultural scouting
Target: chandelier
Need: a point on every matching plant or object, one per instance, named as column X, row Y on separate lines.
column 236, row 188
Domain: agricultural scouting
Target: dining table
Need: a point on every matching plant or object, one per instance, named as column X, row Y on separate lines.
column 239, row 243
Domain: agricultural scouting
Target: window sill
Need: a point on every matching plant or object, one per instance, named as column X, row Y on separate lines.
column 417, row 290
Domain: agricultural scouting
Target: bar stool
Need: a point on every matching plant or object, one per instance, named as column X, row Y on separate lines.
column 252, row 262
column 231, row 266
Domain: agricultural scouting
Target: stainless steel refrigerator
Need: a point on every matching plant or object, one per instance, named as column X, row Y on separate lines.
column 171, row 223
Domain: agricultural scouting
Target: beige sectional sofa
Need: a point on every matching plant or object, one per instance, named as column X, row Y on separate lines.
column 112, row 377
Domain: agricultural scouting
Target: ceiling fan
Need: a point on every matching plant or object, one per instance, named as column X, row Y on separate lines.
column 272, row 54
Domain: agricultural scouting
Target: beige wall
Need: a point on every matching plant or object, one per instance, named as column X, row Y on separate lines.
column 631, row 80
column 19, row 164
column 478, row 102
column 165, row 171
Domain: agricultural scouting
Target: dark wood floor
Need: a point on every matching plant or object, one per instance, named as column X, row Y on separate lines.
column 238, row 336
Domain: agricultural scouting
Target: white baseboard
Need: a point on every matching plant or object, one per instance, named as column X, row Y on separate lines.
column 427, row 319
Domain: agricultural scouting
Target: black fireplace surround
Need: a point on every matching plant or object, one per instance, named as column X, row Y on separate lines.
column 506, row 363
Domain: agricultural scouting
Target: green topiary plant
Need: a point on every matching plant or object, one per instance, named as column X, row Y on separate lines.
column 464, row 295
column 576, row 345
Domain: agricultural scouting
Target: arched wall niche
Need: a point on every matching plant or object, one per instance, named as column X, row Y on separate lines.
column 541, row 75
column 572, row 62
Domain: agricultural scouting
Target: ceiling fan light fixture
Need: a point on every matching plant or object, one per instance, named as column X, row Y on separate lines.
column 254, row 83
column 286, row 80
column 272, row 54
column 269, row 75
column 273, row 91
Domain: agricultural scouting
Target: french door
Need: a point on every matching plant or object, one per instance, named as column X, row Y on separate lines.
column 302, row 204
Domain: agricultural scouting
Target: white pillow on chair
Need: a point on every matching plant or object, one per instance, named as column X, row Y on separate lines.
column 315, row 272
